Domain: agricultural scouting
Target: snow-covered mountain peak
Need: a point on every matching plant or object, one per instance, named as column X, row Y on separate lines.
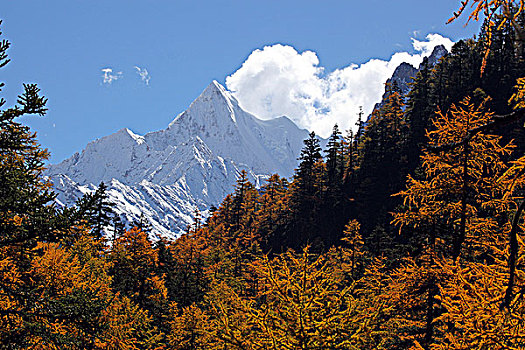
column 124, row 136
column 216, row 88
column 215, row 105
column 193, row 163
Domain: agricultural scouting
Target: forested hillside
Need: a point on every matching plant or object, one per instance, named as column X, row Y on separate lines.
column 407, row 234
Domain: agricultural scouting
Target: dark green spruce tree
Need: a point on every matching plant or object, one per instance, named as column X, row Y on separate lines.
column 334, row 214
column 306, row 196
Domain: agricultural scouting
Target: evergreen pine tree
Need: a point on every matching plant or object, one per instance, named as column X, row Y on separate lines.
column 142, row 224
column 307, row 194
column 97, row 209
column 305, row 176
column 334, row 160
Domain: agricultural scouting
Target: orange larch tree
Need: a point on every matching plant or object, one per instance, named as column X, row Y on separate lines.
column 461, row 209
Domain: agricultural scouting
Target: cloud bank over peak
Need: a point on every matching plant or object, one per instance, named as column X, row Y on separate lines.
column 278, row 80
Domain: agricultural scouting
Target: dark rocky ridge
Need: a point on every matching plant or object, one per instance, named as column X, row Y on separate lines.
column 405, row 73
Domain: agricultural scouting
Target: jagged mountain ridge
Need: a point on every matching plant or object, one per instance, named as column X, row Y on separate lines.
column 405, row 73
column 192, row 164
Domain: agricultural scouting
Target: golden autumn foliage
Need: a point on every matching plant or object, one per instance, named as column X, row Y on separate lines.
column 272, row 205
column 76, row 307
column 128, row 327
column 302, row 301
column 133, row 268
column 455, row 290
column 517, row 100
column 474, row 317
column 354, row 250
column 189, row 328
column 483, row 309
column 510, row 9
column 459, row 197
column 411, row 294
column 506, row 11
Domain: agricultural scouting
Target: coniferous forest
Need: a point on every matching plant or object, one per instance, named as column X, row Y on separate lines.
column 407, row 234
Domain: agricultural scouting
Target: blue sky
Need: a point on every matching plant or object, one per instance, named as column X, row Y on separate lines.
column 63, row 45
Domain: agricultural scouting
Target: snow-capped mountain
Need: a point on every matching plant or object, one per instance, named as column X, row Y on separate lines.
column 191, row 164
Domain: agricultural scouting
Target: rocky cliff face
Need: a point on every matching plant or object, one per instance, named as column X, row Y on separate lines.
column 405, row 73
column 438, row 52
column 403, row 76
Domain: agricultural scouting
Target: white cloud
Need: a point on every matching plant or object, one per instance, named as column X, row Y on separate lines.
column 433, row 40
column 109, row 77
column 143, row 74
column 278, row 80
